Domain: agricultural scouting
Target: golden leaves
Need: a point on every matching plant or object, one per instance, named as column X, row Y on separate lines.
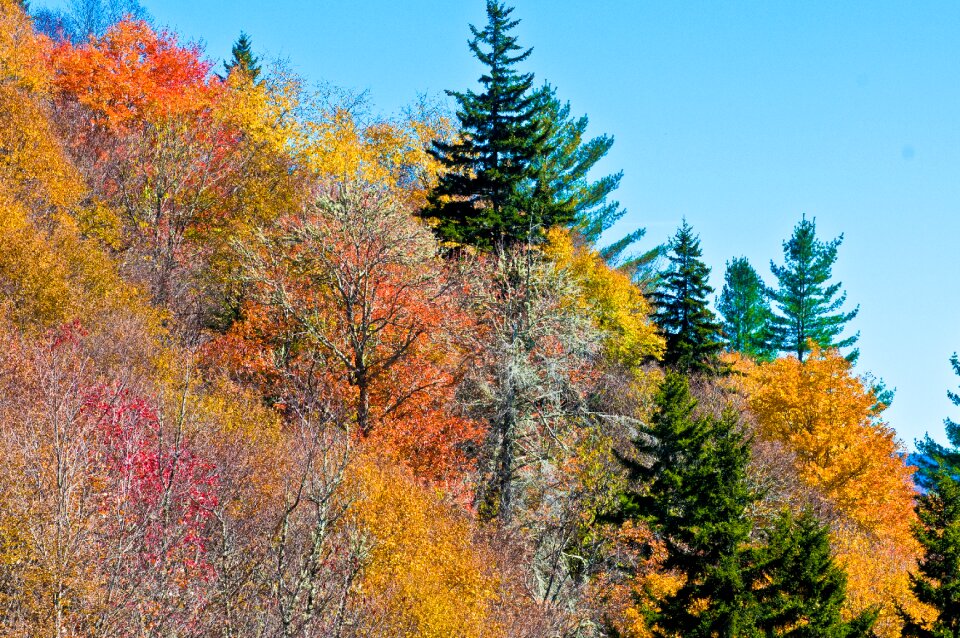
column 617, row 305
column 825, row 417
column 426, row 577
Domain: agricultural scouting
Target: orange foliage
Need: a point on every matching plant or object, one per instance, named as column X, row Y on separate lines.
column 134, row 74
column 627, row 595
column 350, row 307
column 827, row 420
column 826, row 415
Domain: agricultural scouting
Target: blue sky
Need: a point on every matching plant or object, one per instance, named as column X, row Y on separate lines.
column 740, row 116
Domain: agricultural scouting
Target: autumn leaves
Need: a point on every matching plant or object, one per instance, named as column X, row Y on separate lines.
column 245, row 391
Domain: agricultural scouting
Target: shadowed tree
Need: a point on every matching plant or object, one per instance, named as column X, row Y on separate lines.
column 689, row 473
column 683, row 312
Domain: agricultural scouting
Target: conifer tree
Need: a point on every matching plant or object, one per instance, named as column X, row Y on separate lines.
column 799, row 590
column 490, row 195
column 808, row 308
column 683, row 312
column 690, row 473
column 563, row 175
column 937, row 581
column 243, row 58
column 745, row 309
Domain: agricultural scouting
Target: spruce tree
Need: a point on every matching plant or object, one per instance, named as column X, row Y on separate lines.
column 937, row 581
column 682, row 311
column 489, row 194
column 690, row 480
column 808, row 308
column 243, row 58
column 745, row 309
column 798, row 589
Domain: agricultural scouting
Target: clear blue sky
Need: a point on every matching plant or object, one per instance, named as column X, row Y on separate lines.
column 740, row 116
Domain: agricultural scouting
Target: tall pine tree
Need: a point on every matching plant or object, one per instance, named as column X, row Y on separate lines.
column 808, row 308
column 745, row 309
column 491, row 194
column 798, row 589
column 690, row 480
column 683, row 312
column 937, row 581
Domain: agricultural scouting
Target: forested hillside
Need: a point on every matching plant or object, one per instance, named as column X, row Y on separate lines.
column 271, row 365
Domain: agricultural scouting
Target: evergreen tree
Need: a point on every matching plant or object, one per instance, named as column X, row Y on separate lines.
column 564, row 183
column 937, row 581
column 745, row 309
column 490, row 194
column 243, row 59
column 808, row 309
column 799, row 590
column 690, row 473
column 683, row 313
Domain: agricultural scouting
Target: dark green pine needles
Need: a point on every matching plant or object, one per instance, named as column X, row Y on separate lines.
column 799, row 589
column 937, row 581
column 690, row 473
column 483, row 199
column 521, row 162
column 688, row 478
column 808, row 308
column 243, row 58
column 683, row 312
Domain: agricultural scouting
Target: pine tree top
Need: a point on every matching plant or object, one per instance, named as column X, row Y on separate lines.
column 808, row 307
column 243, row 58
column 745, row 308
column 683, row 310
column 488, row 195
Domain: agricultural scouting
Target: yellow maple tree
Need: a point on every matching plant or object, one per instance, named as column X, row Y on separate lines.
column 829, row 421
column 617, row 305
column 426, row 577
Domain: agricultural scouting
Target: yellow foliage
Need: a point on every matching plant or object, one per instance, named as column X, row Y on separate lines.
column 50, row 275
column 825, row 417
column 20, row 63
column 425, row 576
column 617, row 305
column 32, row 165
column 878, row 573
column 392, row 155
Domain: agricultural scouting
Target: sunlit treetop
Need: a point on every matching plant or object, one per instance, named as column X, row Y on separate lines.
column 134, row 73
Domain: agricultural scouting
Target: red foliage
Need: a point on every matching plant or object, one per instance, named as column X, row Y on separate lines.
column 146, row 472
